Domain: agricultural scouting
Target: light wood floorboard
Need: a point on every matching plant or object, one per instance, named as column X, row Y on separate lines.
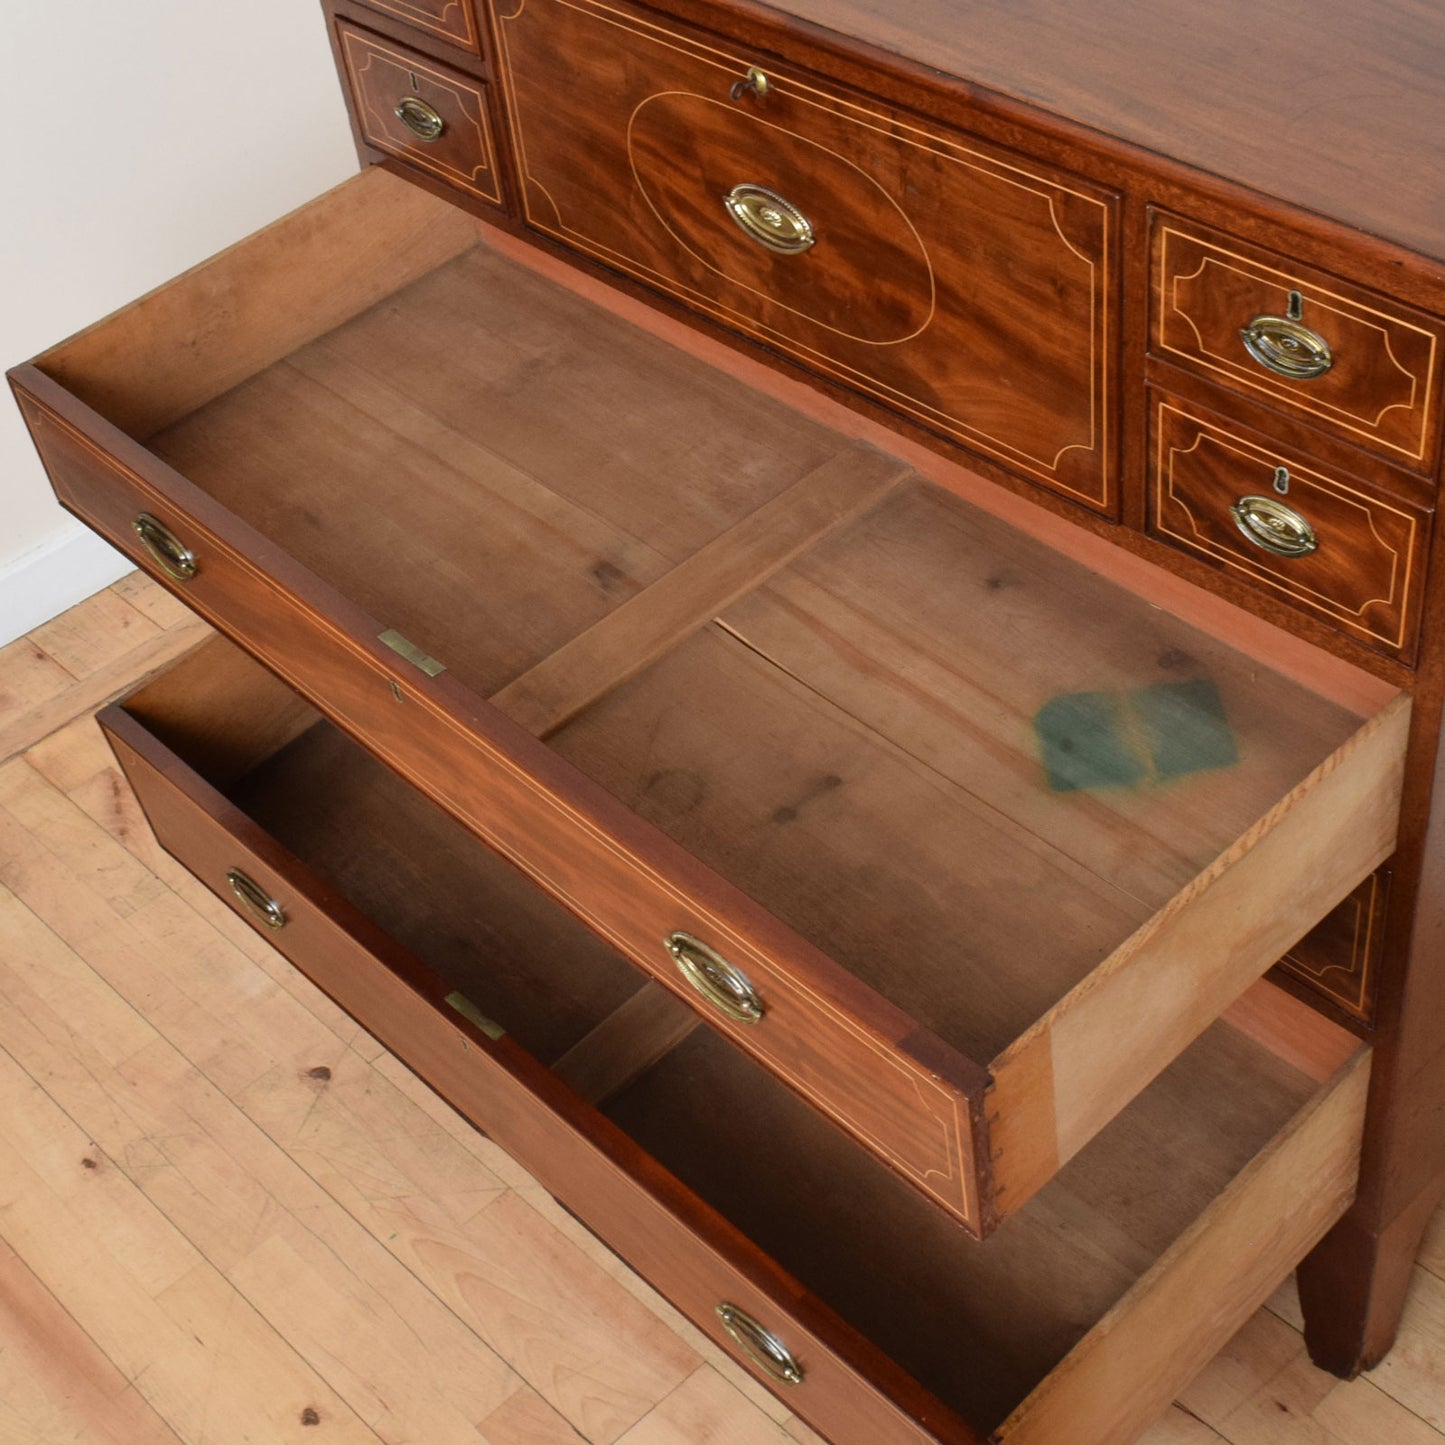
column 212, row 1232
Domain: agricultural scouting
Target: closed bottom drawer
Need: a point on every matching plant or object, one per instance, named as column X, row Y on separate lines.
column 908, row 805
column 871, row 1314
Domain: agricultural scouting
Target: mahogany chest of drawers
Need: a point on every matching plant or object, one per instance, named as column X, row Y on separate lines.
column 805, row 627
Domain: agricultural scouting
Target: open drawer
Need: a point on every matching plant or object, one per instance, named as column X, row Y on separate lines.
column 871, row 1314
column 963, row 841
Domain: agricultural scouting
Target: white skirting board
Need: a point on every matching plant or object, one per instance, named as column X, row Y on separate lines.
column 63, row 570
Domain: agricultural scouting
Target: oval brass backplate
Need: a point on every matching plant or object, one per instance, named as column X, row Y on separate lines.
column 726, row 988
column 1287, row 348
column 1270, row 524
column 255, row 900
column 167, row 550
column 760, row 1345
column 769, row 220
column 422, row 120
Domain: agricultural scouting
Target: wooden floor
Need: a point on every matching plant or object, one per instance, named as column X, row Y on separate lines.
column 228, row 1215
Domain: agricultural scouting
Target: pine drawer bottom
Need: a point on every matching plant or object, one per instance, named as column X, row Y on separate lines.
column 875, row 1318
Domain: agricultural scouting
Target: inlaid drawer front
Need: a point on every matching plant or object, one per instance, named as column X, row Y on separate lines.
column 969, row 288
column 1328, row 542
column 824, row 1276
column 1357, row 364
column 769, row 821
column 451, row 19
column 421, row 112
column 1340, row 957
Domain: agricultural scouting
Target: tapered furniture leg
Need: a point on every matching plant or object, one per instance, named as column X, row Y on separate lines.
column 1353, row 1287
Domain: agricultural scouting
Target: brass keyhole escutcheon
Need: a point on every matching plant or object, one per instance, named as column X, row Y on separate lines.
column 755, row 81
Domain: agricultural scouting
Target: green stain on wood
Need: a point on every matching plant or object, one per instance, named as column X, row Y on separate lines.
column 1084, row 743
column 1091, row 740
column 1185, row 727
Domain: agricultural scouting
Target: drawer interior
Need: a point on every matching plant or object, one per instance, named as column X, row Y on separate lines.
column 525, row 965
column 489, row 467
column 979, row 1325
column 544, row 978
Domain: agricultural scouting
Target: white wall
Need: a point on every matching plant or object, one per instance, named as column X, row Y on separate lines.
column 142, row 136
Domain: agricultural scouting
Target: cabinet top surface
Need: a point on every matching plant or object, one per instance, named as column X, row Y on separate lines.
column 1336, row 107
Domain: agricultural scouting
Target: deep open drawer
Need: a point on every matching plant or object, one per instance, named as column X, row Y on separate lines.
column 987, row 838
column 1077, row 1320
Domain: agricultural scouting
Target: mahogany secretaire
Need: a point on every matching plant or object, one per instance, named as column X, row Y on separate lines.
column 832, row 626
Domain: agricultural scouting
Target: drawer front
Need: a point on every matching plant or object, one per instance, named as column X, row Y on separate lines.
column 452, row 20
column 1340, row 958
column 849, row 1389
column 861, row 1061
column 420, row 112
column 1229, row 495
column 1375, row 364
column 968, row 288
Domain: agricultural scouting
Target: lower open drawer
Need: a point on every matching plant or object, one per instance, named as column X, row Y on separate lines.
column 866, row 1308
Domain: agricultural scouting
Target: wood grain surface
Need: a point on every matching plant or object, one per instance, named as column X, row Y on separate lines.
column 454, row 20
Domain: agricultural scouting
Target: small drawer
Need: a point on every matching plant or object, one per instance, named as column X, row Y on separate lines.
column 451, row 20
column 658, row 640
column 966, row 287
column 1330, row 543
column 841, row 1290
column 420, row 112
column 1340, row 957
column 1358, row 365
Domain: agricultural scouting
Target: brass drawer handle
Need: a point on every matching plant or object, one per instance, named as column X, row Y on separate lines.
column 255, row 900
column 1274, row 526
column 722, row 985
column 761, row 1346
column 167, row 550
column 422, row 120
column 1287, row 347
column 769, row 220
